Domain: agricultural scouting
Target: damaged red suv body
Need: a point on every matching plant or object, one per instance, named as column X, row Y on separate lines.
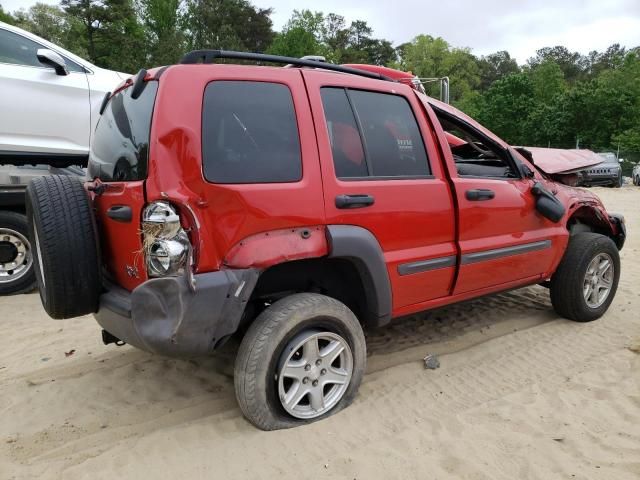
column 297, row 205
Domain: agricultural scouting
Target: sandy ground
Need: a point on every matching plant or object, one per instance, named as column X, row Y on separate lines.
column 520, row 394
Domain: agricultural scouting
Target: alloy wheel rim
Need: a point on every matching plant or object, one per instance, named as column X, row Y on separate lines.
column 314, row 373
column 598, row 280
column 18, row 264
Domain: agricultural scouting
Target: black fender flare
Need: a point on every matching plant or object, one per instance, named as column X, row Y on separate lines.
column 359, row 246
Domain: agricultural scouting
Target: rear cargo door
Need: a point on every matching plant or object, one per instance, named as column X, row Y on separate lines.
column 118, row 162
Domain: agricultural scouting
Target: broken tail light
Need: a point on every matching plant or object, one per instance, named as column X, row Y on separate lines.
column 166, row 244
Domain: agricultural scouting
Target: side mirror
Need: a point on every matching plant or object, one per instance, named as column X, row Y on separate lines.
column 52, row 59
column 547, row 204
column 621, row 160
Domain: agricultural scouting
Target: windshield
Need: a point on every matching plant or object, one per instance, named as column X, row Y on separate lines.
column 609, row 157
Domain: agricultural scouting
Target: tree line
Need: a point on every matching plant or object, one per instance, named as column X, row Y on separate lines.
column 558, row 98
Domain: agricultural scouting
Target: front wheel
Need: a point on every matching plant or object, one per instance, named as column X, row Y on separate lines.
column 301, row 360
column 585, row 282
column 619, row 181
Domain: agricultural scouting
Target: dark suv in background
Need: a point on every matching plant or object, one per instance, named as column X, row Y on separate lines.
column 608, row 173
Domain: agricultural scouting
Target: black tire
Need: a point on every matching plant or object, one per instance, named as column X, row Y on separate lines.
column 62, row 226
column 23, row 281
column 567, row 282
column 260, row 352
column 619, row 181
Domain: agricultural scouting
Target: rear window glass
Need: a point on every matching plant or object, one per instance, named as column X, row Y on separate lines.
column 120, row 146
column 249, row 133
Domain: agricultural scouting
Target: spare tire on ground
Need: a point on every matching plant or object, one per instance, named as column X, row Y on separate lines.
column 65, row 245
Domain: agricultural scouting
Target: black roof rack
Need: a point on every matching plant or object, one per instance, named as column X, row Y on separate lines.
column 208, row 56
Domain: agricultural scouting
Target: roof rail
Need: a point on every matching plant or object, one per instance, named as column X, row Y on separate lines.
column 208, row 56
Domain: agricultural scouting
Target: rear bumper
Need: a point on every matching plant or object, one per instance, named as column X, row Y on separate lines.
column 164, row 316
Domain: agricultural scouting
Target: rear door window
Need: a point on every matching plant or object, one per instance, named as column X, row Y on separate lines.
column 120, row 146
column 250, row 133
column 373, row 134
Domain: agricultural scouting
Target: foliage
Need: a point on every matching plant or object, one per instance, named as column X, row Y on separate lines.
column 46, row 21
column 5, row 16
column 559, row 98
column 164, row 39
column 429, row 57
column 227, row 24
column 496, row 66
column 313, row 33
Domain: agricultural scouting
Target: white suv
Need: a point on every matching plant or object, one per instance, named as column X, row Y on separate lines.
column 49, row 105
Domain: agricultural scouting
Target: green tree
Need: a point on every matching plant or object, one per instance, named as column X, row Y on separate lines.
column 313, row 33
column 296, row 42
column 165, row 39
column 227, row 24
column 548, row 81
column 303, row 34
column 5, row 16
column 612, row 58
column 46, row 21
column 90, row 15
column 109, row 31
column 572, row 64
column 505, row 108
column 496, row 66
column 431, row 57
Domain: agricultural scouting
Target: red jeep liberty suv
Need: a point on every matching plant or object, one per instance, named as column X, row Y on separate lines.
column 295, row 205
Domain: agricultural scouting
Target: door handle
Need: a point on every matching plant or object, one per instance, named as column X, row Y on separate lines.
column 354, row 201
column 120, row 213
column 480, row 194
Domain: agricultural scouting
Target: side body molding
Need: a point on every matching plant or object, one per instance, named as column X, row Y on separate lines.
column 360, row 247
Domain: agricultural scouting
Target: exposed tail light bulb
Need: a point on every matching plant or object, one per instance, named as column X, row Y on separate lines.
column 166, row 244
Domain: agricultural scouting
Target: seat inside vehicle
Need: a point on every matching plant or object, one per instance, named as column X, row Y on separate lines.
column 472, row 155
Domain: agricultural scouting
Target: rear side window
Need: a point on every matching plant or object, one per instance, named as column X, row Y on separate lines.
column 250, row 133
column 120, row 146
column 373, row 135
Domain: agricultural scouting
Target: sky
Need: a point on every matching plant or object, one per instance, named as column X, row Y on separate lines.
column 486, row 26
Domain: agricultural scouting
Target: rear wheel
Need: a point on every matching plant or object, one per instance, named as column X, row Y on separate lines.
column 585, row 282
column 16, row 258
column 301, row 360
column 63, row 230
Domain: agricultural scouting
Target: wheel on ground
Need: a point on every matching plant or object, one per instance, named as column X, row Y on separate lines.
column 62, row 226
column 16, row 259
column 585, row 282
column 301, row 360
column 619, row 181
